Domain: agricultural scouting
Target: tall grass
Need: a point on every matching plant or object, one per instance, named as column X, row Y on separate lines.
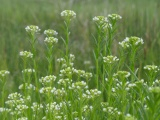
column 51, row 88
column 140, row 18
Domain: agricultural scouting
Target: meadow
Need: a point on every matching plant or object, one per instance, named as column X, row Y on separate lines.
column 99, row 61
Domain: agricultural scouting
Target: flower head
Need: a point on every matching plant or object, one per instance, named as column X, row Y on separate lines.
column 110, row 59
column 26, row 54
column 4, row 73
column 153, row 68
column 28, row 71
column 50, row 32
column 47, row 79
column 132, row 41
column 68, row 14
column 102, row 22
column 51, row 40
column 124, row 74
column 32, row 29
column 114, row 17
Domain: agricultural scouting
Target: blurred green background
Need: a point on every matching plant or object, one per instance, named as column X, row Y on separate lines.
column 139, row 18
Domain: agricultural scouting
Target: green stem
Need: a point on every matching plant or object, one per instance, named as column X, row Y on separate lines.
column 80, row 106
column 67, row 23
column 97, row 59
column 3, row 91
column 110, row 84
column 50, row 59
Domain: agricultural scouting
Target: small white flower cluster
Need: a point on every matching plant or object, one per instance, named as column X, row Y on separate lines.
column 51, row 40
column 26, row 54
column 21, row 108
column 154, row 89
column 27, row 86
column 114, row 17
column 112, row 111
column 4, row 73
column 66, row 71
column 91, row 94
column 58, row 117
column 124, row 74
column 79, row 85
column 22, row 118
column 64, row 64
column 14, row 96
column 71, row 57
column 87, row 108
column 61, row 60
column 68, row 14
column 4, row 110
column 47, row 79
column 141, row 82
column 32, row 29
column 64, row 81
column 132, row 41
column 76, row 118
column 153, row 68
column 16, row 99
column 127, row 85
column 36, row 107
column 110, row 59
column 129, row 117
column 17, row 103
column 102, row 22
column 50, row 32
column 55, row 107
column 100, row 19
column 28, row 71
column 156, row 83
column 45, row 90
column 59, row 92
column 82, row 73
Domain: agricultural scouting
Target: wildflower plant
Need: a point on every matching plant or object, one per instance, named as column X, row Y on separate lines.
column 3, row 74
column 50, row 42
column 131, row 45
column 68, row 15
column 152, row 71
column 112, row 91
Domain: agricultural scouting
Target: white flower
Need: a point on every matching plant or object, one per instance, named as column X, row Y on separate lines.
column 122, row 74
column 132, row 41
column 151, row 68
column 4, row 110
column 36, row 107
column 27, row 86
column 26, row 54
column 50, row 32
column 110, row 59
column 21, row 107
column 51, row 40
column 4, row 73
column 28, row 71
column 23, row 118
column 32, row 29
column 47, row 79
column 45, row 90
column 68, row 14
column 114, row 17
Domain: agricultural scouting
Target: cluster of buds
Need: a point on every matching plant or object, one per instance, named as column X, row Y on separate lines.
column 130, row 42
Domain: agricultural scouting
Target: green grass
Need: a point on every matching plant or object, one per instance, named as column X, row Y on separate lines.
column 121, row 89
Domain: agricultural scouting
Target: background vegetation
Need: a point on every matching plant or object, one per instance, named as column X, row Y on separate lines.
column 139, row 18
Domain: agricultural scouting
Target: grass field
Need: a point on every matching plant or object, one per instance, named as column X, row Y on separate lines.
column 140, row 18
